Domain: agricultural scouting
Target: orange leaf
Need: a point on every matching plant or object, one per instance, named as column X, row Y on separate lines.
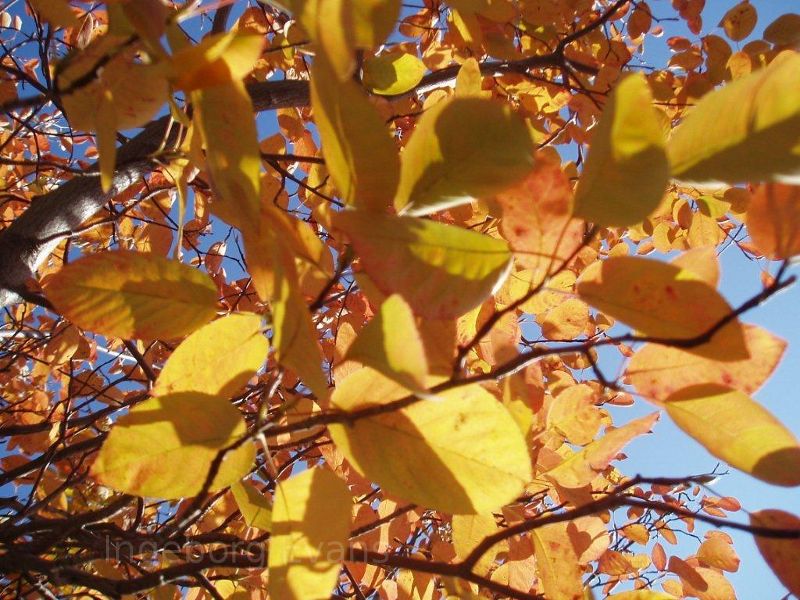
column 782, row 555
column 773, row 220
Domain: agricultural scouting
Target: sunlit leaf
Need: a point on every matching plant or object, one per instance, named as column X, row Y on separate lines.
column 663, row 301
column 782, row 555
column 746, row 131
column 469, row 531
column 217, row 60
column 133, row 295
column 216, row 359
column 225, row 121
column 441, row 271
column 641, row 595
column 359, row 152
column 718, row 552
column 461, row 452
column 626, row 173
column 392, row 344
column 738, row 430
column 462, row 149
column 253, row 504
column 657, row 371
column 310, row 527
column 557, row 561
column 55, row 12
column 582, row 467
column 165, row 446
column 392, row 73
column 773, row 220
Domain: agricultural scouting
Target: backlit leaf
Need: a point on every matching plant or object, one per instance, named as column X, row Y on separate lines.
column 133, row 295
column 663, row 301
column 784, row 30
column 657, row 371
column 225, row 121
column 582, row 467
column 469, row 531
column 310, row 527
column 392, row 73
column 461, row 452
column 217, row 60
column 641, row 595
column 782, row 555
column 255, row 508
column 164, row 447
column 739, row 21
column 392, row 344
column 461, row 149
column 359, row 152
column 55, row 12
column 773, row 220
column 557, row 561
column 441, row 271
column 746, row 131
column 216, row 359
column 738, row 430
column 626, row 172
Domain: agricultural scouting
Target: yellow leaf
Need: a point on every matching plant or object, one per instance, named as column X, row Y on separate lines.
column 469, row 531
column 310, row 527
column 255, row 508
column 461, row 149
column 658, row 371
column 340, row 27
column 641, row 595
column 739, row 21
column 566, row 321
column 663, row 301
column 294, row 336
column 217, row 60
column 391, row 344
column 557, row 561
column 627, row 171
column 773, row 220
column 702, row 262
column 745, row 131
column 718, row 552
column 782, row 555
column 582, row 467
column 359, row 152
column 461, row 453
column 469, row 79
column 132, row 294
column 164, row 447
column 784, row 31
column 737, row 430
column 574, row 414
column 441, row 271
column 56, row 12
column 216, row 359
column 225, row 120
column 392, row 73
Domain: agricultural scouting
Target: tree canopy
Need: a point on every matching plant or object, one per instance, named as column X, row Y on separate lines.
column 350, row 298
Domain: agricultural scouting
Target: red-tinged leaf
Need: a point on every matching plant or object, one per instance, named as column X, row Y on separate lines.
column 663, row 301
column 657, row 371
column 782, row 554
column 718, row 552
column 133, row 295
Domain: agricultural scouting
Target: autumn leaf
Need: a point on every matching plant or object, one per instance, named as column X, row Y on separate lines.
column 310, row 527
column 216, row 359
column 780, row 553
column 461, row 452
column 217, row 60
column 657, row 371
column 773, row 216
column 737, row 430
column 441, row 271
column 392, row 73
column 663, row 301
column 628, row 141
column 745, row 131
column 164, row 447
column 359, row 152
column 133, row 295
column 254, row 506
column 462, row 149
